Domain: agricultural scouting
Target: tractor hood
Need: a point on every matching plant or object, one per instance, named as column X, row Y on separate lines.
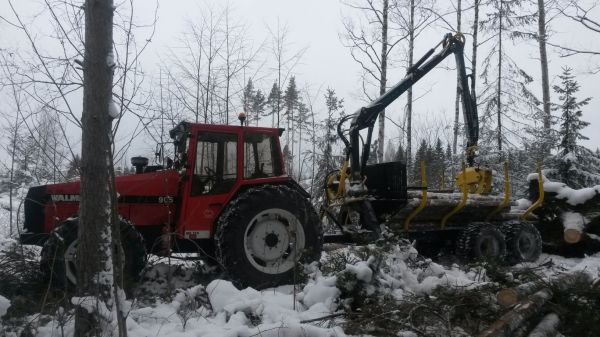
column 159, row 183
column 47, row 205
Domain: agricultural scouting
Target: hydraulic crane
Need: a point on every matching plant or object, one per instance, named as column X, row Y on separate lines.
column 359, row 198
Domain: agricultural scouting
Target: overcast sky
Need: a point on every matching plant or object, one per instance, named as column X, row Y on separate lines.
column 316, row 24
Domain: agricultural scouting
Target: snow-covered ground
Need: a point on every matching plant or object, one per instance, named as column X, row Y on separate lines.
column 171, row 302
column 218, row 308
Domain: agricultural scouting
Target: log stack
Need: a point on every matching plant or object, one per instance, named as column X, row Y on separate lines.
column 569, row 219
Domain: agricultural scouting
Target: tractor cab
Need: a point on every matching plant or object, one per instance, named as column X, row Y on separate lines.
column 217, row 162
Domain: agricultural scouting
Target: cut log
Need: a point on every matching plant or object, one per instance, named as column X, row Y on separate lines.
column 509, row 322
column 572, row 235
column 510, row 296
column 507, row 297
column 547, row 327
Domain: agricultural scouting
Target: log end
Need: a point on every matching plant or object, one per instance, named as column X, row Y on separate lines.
column 572, row 235
column 507, row 297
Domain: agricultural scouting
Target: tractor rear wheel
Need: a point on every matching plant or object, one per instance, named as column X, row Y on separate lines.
column 58, row 257
column 264, row 233
column 523, row 242
column 482, row 240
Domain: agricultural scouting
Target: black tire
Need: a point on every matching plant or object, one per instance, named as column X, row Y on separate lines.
column 523, row 242
column 481, row 241
column 242, row 225
column 53, row 261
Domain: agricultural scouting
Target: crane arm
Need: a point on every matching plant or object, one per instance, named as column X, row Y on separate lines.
column 365, row 117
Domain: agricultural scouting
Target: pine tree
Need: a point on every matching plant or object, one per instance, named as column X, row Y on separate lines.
column 576, row 165
column 273, row 103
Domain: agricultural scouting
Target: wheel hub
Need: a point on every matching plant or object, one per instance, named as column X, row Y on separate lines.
column 273, row 241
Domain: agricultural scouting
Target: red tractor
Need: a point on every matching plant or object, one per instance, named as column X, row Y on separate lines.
column 224, row 194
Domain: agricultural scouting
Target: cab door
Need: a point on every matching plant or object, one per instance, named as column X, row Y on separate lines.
column 212, row 177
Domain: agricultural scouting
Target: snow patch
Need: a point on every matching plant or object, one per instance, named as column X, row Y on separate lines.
column 110, row 59
column 4, row 304
column 323, row 290
column 361, row 270
column 574, row 220
column 572, row 196
column 113, row 110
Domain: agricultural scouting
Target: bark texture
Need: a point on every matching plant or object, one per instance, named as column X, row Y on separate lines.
column 547, row 327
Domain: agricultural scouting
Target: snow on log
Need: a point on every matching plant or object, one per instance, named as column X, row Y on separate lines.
column 547, row 326
column 509, row 322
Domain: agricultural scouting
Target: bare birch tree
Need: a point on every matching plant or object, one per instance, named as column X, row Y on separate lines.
column 371, row 41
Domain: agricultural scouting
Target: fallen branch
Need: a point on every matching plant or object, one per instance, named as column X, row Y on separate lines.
column 509, row 322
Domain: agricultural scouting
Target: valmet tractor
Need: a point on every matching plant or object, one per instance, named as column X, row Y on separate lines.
column 225, row 194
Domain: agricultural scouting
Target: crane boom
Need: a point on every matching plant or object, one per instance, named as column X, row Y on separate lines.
column 366, row 116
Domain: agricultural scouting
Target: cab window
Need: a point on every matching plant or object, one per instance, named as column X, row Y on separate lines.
column 261, row 158
column 215, row 169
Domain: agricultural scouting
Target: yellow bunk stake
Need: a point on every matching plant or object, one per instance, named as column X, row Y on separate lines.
column 540, row 198
column 507, row 194
column 463, row 201
column 331, row 193
column 423, row 202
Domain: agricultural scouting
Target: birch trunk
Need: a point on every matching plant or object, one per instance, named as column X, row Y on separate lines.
column 383, row 78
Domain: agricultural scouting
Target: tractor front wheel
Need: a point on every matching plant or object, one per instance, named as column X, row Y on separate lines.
column 265, row 233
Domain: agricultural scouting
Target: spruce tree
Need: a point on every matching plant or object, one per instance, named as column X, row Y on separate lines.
column 576, row 165
column 327, row 161
column 258, row 106
column 272, row 103
column 247, row 100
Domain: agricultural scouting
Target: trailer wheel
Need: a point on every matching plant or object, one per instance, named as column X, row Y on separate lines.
column 482, row 240
column 58, row 257
column 523, row 242
column 264, row 233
